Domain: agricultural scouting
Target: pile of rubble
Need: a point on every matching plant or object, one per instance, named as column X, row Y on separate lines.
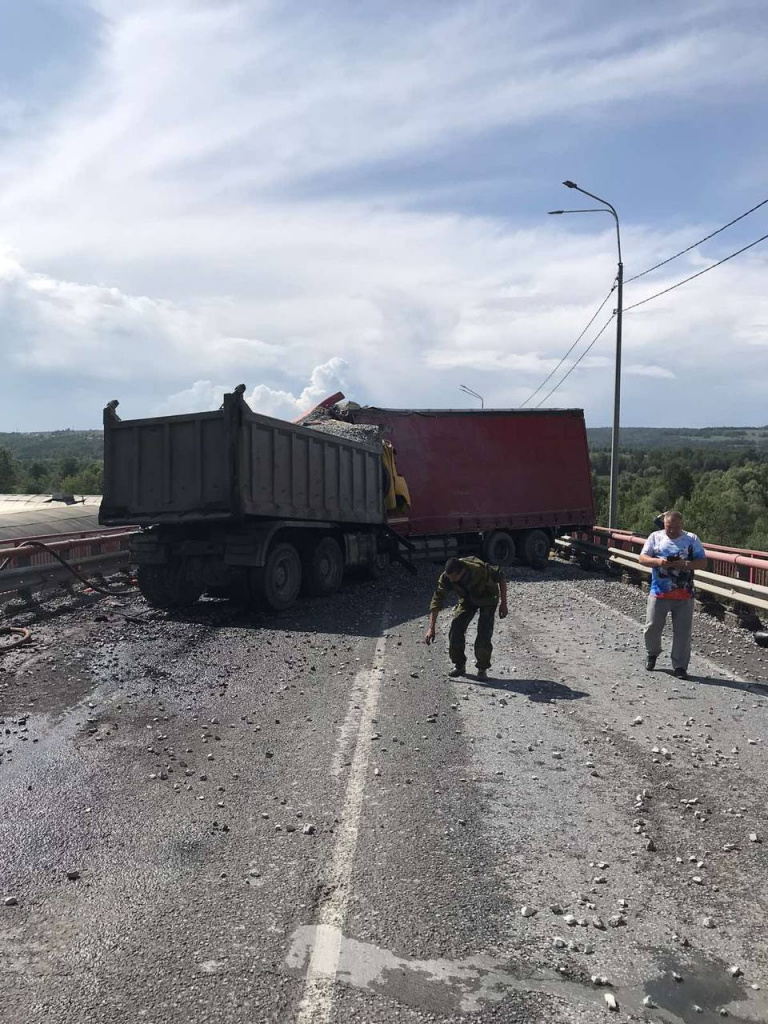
column 360, row 433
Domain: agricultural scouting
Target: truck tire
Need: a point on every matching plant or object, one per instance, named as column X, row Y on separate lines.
column 499, row 548
column 278, row 584
column 534, row 548
column 324, row 570
column 166, row 586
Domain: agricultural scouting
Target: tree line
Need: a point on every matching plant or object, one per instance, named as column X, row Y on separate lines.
column 67, row 474
column 722, row 493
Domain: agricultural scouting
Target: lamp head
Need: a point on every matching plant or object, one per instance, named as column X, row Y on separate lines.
column 553, row 212
column 570, row 184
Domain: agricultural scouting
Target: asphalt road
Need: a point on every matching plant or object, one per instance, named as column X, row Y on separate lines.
column 217, row 817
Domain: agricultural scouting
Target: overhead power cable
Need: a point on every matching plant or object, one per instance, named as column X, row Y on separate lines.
column 573, row 346
column 694, row 276
column 570, row 371
column 695, row 244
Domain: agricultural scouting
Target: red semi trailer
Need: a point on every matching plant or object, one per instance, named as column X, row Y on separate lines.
column 501, row 482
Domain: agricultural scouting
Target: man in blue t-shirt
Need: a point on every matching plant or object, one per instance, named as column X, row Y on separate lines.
column 673, row 554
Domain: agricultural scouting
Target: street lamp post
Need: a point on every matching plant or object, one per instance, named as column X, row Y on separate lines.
column 474, row 394
column 613, row 501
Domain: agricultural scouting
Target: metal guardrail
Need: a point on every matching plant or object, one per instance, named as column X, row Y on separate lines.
column 740, row 579
column 736, row 563
column 36, row 568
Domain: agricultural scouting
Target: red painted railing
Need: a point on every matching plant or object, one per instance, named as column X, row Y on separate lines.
column 78, row 546
column 737, row 563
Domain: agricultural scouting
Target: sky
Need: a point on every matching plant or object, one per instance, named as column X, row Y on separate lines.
column 353, row 196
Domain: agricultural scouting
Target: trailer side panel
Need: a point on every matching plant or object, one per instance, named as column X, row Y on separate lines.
column 489, row 470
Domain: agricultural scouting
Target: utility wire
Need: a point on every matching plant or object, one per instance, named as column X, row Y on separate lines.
column 693, row 276
column 573, row 346
column 705, row 239
column 567, row 375
column 641, row 303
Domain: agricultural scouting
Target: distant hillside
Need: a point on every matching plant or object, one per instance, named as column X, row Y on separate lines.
column 55, row 444
column 648, row 438
column 88, row 444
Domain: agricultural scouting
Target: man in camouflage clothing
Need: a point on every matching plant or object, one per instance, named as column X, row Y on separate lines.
column 480, row 588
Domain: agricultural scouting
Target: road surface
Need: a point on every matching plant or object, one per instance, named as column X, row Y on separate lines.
column 223, row 817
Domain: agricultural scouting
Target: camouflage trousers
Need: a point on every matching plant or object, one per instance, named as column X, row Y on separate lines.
column 457, row 636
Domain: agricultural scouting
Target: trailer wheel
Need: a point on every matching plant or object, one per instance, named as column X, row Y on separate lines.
column 500, row 548
column 535, row 548
column 324, row 571
column 167, row 586
column 279, row 582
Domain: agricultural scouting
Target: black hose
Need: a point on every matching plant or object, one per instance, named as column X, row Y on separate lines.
column 20, row 634
column 94, row 586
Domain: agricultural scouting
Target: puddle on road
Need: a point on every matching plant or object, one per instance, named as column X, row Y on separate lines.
column 440, row 986
column 706, row 983
column 450, row 987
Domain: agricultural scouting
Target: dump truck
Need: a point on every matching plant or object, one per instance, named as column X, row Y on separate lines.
column 259, row 510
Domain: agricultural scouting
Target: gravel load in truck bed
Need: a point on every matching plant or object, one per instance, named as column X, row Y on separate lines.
column 360, row 433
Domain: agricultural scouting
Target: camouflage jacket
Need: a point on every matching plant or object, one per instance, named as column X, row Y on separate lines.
column 478, row 587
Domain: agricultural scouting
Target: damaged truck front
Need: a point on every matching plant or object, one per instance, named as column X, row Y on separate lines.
column 242, row 505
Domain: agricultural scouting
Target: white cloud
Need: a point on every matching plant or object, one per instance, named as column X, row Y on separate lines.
column 325, row 381
column 100, row 331
column 202, row 396
column 177, row 220
column 638, row 370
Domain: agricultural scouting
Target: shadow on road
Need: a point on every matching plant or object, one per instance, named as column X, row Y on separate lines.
column 533, row 689
column 761, row 689
column 356, row 610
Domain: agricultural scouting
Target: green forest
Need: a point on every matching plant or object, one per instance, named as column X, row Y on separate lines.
column 67, row 461
column 722, row 493
column 717, row 476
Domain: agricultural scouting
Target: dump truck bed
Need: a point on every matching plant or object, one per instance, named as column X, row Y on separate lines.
column 235, row 464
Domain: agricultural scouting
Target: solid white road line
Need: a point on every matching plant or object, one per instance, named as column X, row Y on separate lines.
column 317, row 1001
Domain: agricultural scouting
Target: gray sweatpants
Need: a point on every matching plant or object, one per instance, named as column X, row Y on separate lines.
column 682, row 624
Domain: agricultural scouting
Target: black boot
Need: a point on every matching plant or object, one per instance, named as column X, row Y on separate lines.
column 650, row 662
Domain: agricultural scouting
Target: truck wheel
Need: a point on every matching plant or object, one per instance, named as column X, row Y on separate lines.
column 535, row 548
column 279, row 582
column 500, row 548
column 166, row 586
column 324, row 571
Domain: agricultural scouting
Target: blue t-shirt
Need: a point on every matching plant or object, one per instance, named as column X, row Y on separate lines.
column 676, row 584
